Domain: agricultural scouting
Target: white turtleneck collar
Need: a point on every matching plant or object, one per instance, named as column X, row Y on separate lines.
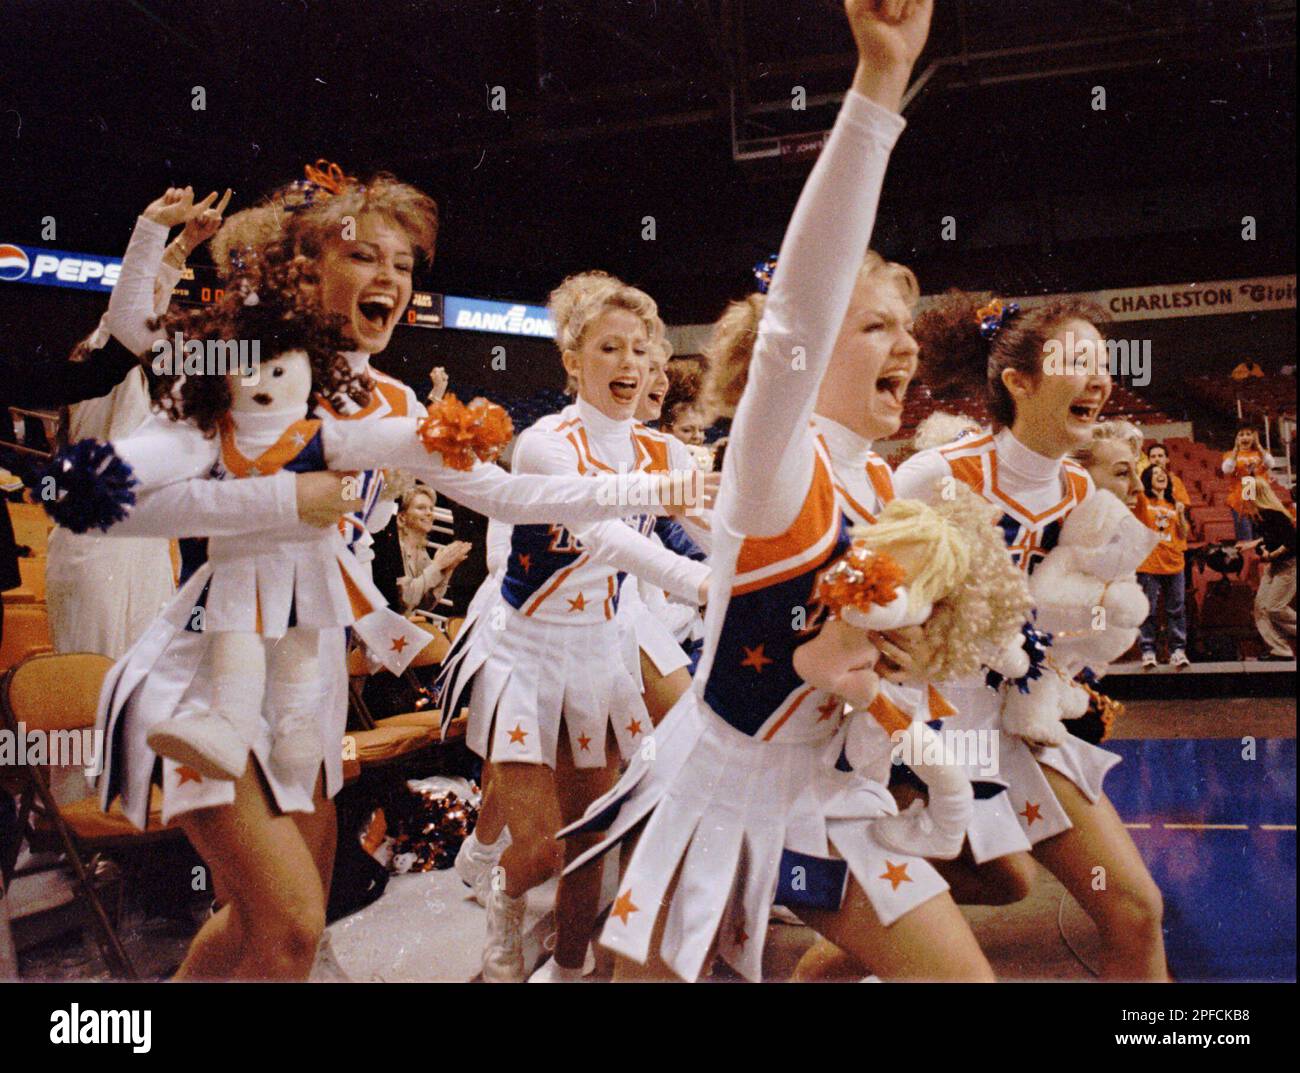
column 1026, row 466
column 848, row 450
column 600, row 426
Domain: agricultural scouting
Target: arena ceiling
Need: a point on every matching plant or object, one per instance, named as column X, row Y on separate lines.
column 619, row 110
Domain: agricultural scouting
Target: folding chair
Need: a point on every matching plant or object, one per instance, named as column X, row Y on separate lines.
column 57, row 695
column 26, row 632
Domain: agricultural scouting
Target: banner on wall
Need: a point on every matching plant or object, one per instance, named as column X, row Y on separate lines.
column 1166, row 300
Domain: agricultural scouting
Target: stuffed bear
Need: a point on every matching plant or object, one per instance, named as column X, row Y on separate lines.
column 1087, row 596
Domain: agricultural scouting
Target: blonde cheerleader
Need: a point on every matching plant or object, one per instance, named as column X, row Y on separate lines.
column 738, row 801
column 540, row 657
column 1044, row 372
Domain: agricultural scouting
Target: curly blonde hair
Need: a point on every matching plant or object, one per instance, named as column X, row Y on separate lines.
column 290, row 224
column 583, row 297
column 730, row 348
column 980, row 598
column 940, row 428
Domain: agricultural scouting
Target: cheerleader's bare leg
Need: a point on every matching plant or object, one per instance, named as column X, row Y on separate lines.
column 1098, row 863
column 273, row 885
column 527, row 798
column 577, row 899
column 932, row 942
column 491, row 818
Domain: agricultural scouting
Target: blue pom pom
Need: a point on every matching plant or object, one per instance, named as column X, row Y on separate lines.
column 1035, row 643
column 92, row 487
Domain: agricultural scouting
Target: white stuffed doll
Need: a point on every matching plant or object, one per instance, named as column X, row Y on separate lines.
column 937, row 579
column 1087, row 597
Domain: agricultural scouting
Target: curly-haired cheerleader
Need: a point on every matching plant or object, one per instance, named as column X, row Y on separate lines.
column 270, row 844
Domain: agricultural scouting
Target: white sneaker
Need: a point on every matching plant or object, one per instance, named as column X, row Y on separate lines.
column 209, row 742
column 936, row 830
column 475, row 861
column 1178, row 659
column 1148, row 661
column 552, row 972
column 503, row 951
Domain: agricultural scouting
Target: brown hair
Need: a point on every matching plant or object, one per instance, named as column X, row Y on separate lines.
column 684, row 383
column 278, row 322
column 955, row 356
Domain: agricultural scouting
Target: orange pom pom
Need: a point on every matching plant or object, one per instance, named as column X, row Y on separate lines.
column 463, row 433
column 861, row 578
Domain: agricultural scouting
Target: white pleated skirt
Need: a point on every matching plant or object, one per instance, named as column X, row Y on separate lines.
column 740, row 823
column 522, row 678
column 165, row 674
column 1028, row 811
column 641, row 630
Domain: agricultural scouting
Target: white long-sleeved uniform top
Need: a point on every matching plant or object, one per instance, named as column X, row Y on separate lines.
column 1035, row 493
column 558, row 574
column 778, row 521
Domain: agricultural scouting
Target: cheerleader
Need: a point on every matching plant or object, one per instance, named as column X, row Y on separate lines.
column 738, row 801
column 1055, row 802
column 528, row 658
column 269, row 844
column 1247, row 463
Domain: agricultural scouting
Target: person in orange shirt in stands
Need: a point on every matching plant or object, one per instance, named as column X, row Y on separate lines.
column 1158, row 455
column 1162, row 571
column 1249, row 463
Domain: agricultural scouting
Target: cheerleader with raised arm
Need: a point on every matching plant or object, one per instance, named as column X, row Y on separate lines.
column 552, row 702
column 738, row 800
column 1044, row 372
column 269, row 842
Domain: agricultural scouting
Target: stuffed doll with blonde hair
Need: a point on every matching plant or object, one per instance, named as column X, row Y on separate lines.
column 941, row 573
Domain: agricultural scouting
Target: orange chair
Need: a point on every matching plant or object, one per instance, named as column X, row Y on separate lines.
column 57, row 696
column 32, row 570
column 26, row 632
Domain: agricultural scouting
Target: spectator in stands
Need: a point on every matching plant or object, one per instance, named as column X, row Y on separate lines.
column 1158, row 455
column 1250, row 464
column 1162, row 572
column 1274, row 615
column 424, row 578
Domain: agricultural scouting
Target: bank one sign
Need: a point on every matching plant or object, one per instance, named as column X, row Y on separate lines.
column 504, row 318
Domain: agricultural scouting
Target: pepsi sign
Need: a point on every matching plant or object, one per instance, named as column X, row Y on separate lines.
column 58, row 268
